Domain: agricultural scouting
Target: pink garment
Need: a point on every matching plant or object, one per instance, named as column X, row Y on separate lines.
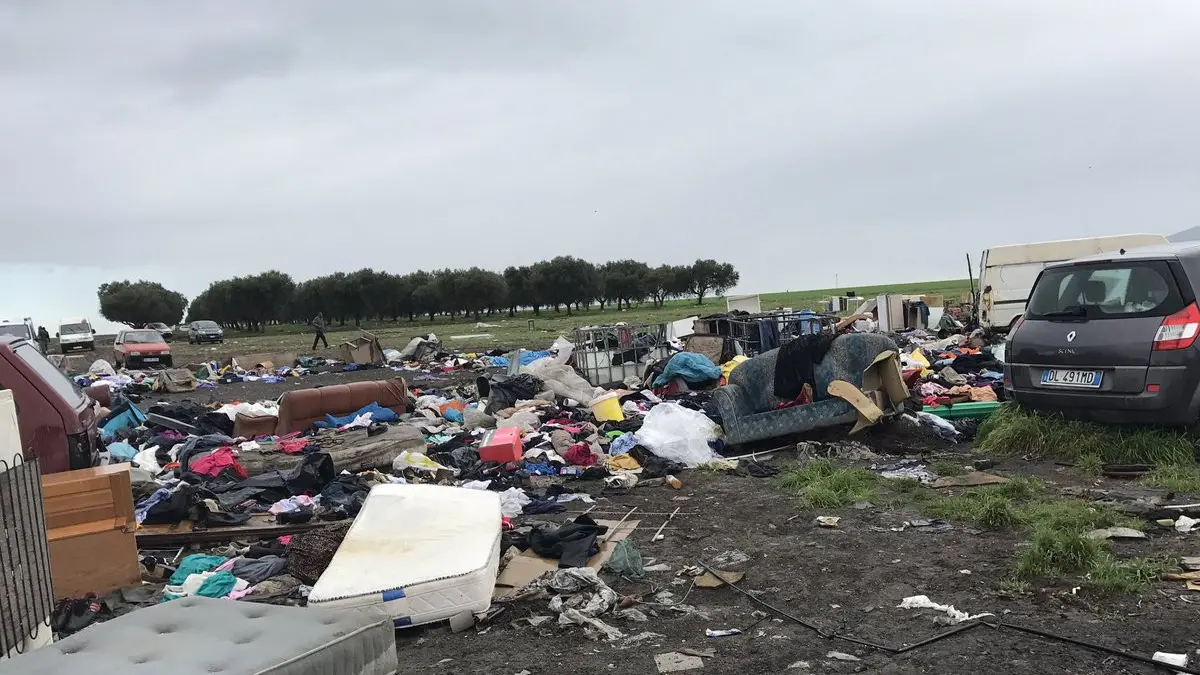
column 215, row 463
column 931, row 389
column 292, row 447
column 238, row 595
column 286, row 540
column 226, row 566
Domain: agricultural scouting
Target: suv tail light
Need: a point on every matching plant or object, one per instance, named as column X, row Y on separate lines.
column 1179, row 330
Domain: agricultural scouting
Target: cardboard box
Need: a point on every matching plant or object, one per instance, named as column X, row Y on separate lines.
column 501, row 445
column 90, row 526
column 363, row 349
column 883, row 390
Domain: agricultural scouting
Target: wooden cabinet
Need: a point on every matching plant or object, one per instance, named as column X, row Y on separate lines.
column 91, row 527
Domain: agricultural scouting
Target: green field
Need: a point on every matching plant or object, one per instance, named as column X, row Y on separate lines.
column 529, row 331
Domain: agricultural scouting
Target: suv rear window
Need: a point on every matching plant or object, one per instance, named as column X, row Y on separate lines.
column 1106, row 291
column 53, row 376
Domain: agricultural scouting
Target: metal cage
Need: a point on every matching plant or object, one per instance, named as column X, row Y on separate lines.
column 26, row 590
column 606, row 354
column 757, row 333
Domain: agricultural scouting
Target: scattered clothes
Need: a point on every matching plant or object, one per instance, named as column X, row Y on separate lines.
column 144, row 506
column 580, row 454
column 571, row 545
column 217, row 462
column 620, row 445
column 195, row 564
column 72, row 615
column 626, row 560
column 377, row 414
column 794, row 364
column 258, row 570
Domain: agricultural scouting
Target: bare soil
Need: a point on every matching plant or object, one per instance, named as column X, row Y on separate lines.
column 847, row 580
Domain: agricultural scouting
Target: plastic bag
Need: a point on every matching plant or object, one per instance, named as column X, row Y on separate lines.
column 561, row 379
column 679, row 434
column 101, row 367
column 626, row 561
column 526, row 422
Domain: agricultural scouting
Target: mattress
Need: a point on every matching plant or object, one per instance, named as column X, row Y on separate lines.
column 423, row 553
column 198, row 636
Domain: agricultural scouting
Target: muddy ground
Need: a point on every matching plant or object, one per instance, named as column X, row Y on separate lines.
column 849, row 579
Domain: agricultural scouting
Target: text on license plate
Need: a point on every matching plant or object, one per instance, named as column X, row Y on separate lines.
column 1089, row 379
column 149, row 358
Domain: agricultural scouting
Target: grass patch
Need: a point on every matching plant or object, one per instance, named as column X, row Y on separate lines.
column 1175, row 477
column 1126, row 576
column 1056, row 553
column 987, row 509
column 822, row 484
column 1089, row 466
column 1012, row 430
column 947, row 467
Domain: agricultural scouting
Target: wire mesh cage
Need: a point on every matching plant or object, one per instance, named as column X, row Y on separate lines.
column 26, row 594
column 606, row 354
column 757, row 333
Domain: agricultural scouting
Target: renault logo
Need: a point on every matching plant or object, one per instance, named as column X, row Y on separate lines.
column 1071, row 336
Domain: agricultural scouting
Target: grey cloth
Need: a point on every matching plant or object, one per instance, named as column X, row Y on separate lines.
column 257, row 570
column 198, row 636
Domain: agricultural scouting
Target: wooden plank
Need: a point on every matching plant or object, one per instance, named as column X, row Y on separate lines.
column 152, row 536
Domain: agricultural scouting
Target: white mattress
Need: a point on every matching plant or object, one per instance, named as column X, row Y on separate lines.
column 423, row 553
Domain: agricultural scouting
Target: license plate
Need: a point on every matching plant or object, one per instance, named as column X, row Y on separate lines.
column 149, row 359
column 1086, row 379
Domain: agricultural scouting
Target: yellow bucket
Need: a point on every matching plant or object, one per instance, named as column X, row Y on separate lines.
column 607, row 408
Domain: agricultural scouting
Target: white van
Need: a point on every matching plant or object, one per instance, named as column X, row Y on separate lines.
column 1007, row 273
column 76, row 333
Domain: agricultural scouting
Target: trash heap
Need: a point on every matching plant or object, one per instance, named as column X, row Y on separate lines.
column 955, row 381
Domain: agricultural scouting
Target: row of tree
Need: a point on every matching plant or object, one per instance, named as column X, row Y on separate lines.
column 564, row 283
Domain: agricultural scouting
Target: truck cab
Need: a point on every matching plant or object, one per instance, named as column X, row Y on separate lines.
column 57, row 420
column 76, row 333
column 18, row 329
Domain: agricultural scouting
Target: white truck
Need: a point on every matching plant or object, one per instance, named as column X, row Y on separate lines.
column 76, row 333
column 21, row 329
column 1007, row 273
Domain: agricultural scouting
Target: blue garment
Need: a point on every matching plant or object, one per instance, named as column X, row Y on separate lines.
column 768, row 335
column 195, row 564
column 143, row 507
column 128, row 418
column 453, row 415
column 623, row 444
column 378, row 414
column 540, row 469
column 122, row 452
column 691, row 367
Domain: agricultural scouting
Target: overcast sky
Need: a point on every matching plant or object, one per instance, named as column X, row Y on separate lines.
column 878, row 141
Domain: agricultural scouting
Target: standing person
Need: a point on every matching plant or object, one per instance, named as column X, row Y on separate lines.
column 318, row 324
column 43, row 339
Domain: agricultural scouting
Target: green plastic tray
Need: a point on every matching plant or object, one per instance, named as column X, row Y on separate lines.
column 975, row 410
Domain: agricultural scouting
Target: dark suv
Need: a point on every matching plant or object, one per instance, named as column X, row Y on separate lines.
column 1112, row 338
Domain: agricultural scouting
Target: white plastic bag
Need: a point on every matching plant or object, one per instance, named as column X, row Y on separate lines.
column 679, row 434
column 101, row 367
column 561, row 379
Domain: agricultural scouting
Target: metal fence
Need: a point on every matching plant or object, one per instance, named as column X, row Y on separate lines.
column 606, row 354
column 26, row 592
column 757, row 333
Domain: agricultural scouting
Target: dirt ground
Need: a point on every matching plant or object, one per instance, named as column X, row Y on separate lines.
column 849, row 579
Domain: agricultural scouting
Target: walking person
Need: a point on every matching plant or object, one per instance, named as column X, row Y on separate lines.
column 318, row 324
column 43, row 339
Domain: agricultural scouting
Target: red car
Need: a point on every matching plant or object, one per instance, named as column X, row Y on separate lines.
column 141, row 349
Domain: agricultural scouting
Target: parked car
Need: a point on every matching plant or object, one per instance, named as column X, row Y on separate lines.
column 163, row 329
column 205, row 331
column 141, row 348
column 57, row 420
column 1112, row 338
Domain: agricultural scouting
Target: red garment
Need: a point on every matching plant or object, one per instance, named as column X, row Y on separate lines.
column 804, row 398
column 293, row 447
column 580, row 455
column 215, row 463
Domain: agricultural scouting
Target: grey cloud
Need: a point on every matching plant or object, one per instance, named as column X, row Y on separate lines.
column 799, row 140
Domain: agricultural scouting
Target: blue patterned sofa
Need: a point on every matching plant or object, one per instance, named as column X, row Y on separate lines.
column 747, row 403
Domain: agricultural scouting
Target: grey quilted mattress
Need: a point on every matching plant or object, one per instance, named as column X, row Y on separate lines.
column 199, row 636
